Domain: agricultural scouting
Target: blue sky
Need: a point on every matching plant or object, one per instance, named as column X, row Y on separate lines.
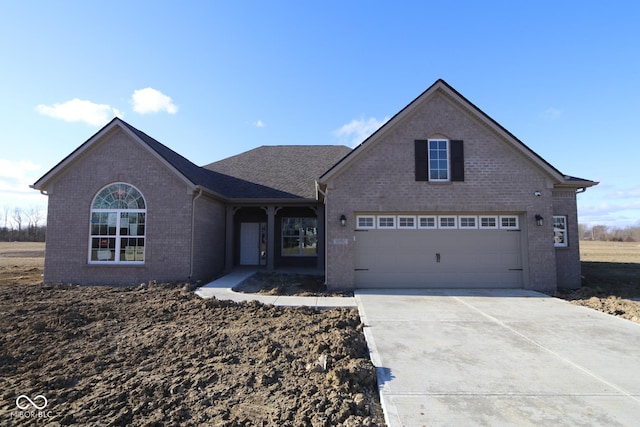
column 211, row 79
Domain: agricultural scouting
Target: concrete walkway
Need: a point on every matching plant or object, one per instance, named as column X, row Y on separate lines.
column 500, row 358
column 222, row 289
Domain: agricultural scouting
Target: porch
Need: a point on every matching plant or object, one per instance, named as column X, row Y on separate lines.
column 275, row 237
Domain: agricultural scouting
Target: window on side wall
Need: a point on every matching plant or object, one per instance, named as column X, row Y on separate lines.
column 117, row 232
column 560, row 237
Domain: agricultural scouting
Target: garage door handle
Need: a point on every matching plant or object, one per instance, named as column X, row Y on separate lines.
column 362, row 269
column 437, row 257
column 515, row 269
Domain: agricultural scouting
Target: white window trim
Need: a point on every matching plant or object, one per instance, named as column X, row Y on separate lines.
column 563, row 231
column 468, row 227
column 428, row 227
column 365, row 227
column 507, row 227
column 118, row 238
column 455, row 222
column 448, row 160
column 116, row 261
column 386, row 227
column 406, row 227
column 488, row 227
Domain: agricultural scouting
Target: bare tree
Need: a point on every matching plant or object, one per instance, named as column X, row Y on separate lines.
column 17, row 218
column 6, row 216
column 33, row 216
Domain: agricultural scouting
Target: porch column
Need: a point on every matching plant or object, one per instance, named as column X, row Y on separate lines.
column 271, row 236
column 228, row 248
column 321, row 236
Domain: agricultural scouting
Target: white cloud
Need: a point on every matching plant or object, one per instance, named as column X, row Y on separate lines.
column 551, row 114
column 357, row 130
column 15, row 178
column 259, row 124
column 625, row 194
column 78, row 110
column 149, row 100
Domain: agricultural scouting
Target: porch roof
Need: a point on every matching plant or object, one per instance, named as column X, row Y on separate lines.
column 280, row 171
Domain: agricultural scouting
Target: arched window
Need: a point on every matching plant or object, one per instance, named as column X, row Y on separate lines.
column 118, row 218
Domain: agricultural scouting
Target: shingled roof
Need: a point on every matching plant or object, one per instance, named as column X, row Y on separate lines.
column 278, row 172
column 288, row 169
column 267, row 172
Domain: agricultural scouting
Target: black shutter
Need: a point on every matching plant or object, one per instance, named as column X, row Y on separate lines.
column 422, row 160
column 457, row 161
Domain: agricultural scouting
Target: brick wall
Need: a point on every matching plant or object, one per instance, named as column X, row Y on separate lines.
column 209, row 243
column 497, row 179
column 568, row 259
column 168, row 224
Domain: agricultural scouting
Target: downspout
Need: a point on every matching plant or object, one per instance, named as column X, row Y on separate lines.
column 326, row 228
column 326, row 238
column 193, row 229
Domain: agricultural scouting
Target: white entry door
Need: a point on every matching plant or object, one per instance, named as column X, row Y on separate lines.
column 249, row 243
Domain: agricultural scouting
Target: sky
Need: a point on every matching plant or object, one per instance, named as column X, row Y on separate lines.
column 211, row 79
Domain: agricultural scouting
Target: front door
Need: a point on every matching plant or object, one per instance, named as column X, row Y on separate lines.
column 250, row 243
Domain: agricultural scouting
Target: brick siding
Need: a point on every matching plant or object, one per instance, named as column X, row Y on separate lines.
column 117, row 158
column 497, row 179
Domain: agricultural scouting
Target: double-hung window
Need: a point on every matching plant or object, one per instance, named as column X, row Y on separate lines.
column 299, row 236
column 439, row 160
column 118, row 225
column 560, row 232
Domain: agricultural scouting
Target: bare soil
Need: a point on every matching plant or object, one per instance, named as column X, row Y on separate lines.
column 611, row 279
column 159, row 355
column 288, row 284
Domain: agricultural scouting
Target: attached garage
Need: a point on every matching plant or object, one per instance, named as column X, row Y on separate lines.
column 438, row 251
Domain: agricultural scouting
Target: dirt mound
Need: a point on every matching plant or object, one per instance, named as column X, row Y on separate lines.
column 158, row 355
column 272, row 283
column 613, row 288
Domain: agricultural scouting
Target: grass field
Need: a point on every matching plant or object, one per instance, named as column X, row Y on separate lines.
column 618, row 252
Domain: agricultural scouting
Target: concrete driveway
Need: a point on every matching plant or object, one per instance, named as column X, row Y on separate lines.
column 500, row 358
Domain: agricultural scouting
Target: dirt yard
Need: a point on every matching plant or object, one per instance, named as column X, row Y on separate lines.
column 611, row 279
column 159, row 355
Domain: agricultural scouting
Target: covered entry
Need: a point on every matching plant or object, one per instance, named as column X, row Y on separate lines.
column 446, row 252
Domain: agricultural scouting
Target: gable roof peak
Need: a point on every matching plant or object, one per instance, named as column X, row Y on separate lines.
column 441, row 85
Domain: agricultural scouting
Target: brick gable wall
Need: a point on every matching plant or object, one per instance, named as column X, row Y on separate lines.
column 497, row 179
column 117, row 158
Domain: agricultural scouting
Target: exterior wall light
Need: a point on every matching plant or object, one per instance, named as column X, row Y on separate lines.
column 539, row 220
column 343, row 220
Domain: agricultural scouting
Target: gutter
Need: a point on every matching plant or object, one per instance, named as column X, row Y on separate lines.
column 193, row 228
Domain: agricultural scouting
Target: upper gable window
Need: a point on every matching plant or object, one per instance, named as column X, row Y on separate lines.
column 439, row 160
column 118, row 224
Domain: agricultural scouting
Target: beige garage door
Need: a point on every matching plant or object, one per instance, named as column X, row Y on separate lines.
column 438, row 258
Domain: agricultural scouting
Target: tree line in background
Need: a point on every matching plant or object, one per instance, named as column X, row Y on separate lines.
column 22, row 225
column 610, row 234
column 29, row 225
